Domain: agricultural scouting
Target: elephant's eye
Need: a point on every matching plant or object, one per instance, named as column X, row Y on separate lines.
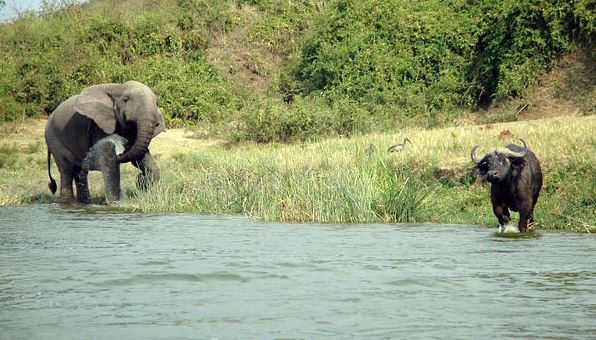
column 126, row 98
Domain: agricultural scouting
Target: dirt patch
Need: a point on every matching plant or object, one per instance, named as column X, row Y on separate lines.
column 246, row 63
column 568, row 89
column 30, row 134
column 22, row 133
column 174, row 141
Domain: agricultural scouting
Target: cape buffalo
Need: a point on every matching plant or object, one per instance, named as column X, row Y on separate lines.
column 516, row 179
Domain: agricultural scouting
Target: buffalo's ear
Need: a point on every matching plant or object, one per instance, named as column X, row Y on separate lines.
column 96, row 103
column 481, row 168
column 518, row 163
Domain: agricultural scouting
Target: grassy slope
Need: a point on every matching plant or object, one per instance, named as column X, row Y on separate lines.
column 336, row 180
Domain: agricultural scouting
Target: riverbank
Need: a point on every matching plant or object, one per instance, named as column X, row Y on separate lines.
column 337, row 180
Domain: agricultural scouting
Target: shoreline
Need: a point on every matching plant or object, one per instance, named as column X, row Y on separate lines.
column 335, row 180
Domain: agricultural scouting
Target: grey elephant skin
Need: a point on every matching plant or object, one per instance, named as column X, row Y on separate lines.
column 99, row 129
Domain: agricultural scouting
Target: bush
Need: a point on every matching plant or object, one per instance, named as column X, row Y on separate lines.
column 265, row 120
column 518, row 39
column 385, row 53
column 432, row 56
column 347, row 66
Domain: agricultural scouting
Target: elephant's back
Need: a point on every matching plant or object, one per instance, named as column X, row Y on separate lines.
column 69, row 133
column 61, row 115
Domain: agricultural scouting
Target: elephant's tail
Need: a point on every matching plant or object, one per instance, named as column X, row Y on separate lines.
column 52, row 183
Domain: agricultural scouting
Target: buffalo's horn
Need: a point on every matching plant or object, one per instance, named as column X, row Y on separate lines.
column 513, row 154
column 473, row 155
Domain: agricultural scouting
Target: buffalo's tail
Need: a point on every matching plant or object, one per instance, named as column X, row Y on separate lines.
column 52, row 183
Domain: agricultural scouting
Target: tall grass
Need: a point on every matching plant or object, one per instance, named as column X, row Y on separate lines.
column 339, row 180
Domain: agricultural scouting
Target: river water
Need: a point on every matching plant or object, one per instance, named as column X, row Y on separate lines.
column 99, row 274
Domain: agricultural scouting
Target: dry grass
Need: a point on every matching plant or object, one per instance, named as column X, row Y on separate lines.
column 336, row 180
column 568, row 89
column 244, row 62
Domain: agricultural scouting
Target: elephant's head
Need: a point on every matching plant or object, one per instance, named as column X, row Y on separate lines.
column 130, row 108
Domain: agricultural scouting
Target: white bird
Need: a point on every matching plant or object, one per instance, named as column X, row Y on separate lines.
column 399, row 147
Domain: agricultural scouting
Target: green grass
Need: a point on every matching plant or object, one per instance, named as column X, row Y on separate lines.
column 337, row 181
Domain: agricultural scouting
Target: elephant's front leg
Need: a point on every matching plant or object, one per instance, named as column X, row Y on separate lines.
column 149, row 172
column 110, row 169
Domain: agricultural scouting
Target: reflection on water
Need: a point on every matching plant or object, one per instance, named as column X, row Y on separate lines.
column 100, row 273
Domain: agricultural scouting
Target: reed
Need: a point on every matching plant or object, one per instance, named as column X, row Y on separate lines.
column 339, row 180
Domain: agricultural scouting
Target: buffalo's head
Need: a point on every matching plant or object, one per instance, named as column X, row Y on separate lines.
column 497, row 164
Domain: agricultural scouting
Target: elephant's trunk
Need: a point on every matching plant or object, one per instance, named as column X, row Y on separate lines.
column 145, row 131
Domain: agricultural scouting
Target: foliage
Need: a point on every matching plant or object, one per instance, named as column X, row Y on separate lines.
column 392, row 52
column 436, row 55
column 401, row 197
column 361, row 65
column 271, row 120
column 285, row 24
column 62, row 54
column 520, row 38
column 8, row 156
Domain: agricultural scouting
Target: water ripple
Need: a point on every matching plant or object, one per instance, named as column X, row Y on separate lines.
column 143, row 279
column 99, row 273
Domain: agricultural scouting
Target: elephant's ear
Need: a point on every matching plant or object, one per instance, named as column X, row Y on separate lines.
column 97, row 104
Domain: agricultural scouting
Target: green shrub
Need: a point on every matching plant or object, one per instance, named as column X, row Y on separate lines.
column 284, row 24
column 337, row 67
column 10, row 110
column 265, row 120
column 519, row 38
column 383, row 53
column 401, row 197
column 431, row 56
column 8, row 156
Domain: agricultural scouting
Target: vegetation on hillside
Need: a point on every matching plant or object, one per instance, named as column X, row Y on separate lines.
column 266, row 70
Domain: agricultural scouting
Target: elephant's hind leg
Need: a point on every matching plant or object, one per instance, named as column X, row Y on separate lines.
column 66, row 193
column 83, row 194
column 66, row 178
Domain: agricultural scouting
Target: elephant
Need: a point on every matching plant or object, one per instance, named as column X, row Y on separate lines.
column 100, row 128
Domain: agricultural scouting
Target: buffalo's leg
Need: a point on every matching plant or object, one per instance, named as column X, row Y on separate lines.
column 531, row 212
column 502, row 214
column 525, row 213
column 149, row 172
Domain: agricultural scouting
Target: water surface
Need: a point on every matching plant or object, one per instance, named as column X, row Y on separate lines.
column 96, row 273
